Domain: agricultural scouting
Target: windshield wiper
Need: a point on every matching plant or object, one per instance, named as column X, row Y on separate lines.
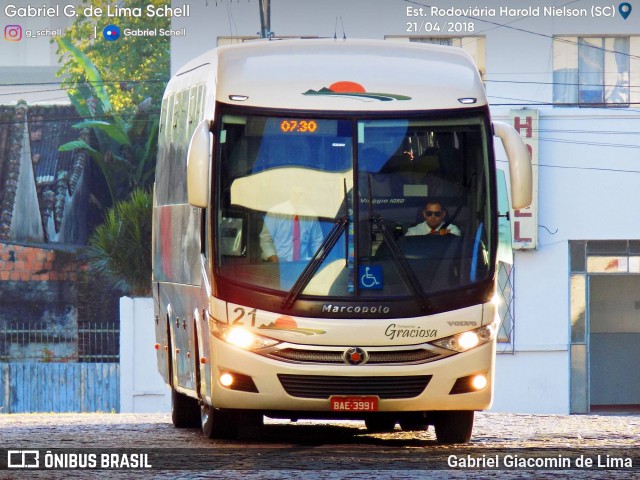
column 397, row 254
column 401, row 260
column 318, row 257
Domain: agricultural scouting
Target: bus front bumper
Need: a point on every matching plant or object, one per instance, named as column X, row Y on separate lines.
column 261, row 383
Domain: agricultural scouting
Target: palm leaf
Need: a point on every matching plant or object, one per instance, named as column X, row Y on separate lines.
column 120, row 248
column 91, row 71
column 113, row 131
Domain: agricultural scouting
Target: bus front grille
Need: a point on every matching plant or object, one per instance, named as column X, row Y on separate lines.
column 375, row 357
column 324, row 386
column 308, row 356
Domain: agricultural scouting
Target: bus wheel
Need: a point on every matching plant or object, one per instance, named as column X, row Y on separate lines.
column 184, row 410
column 380, row 423
column 217, row 423
column 453, row 426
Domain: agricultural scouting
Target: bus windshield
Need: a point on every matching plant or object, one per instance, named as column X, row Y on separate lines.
column 353, row 208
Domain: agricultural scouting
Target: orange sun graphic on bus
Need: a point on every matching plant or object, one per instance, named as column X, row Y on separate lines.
column 346, row 88
column 285, row 321
column 288, row 324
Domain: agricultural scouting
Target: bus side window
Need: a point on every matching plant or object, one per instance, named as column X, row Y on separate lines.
column 232, row 236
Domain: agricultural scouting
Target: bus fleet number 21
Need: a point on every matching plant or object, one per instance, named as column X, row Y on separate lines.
column 240, row 313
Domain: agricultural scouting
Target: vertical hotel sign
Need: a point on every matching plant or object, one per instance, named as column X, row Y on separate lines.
column 525, row 220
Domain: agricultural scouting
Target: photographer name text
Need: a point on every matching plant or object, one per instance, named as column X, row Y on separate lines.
column 114, row 11
column 527, row 462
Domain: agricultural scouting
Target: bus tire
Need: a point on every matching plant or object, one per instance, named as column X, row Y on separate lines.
column 453, row 426
column 184, row 410
column 380, row 423
column 218, row 424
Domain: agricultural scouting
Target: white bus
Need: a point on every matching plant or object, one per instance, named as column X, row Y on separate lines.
column 287, row 281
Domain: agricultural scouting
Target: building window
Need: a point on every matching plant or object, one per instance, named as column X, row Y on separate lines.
column 593, row 71
column 506, row 307
column 473, row 45
column 588, row 260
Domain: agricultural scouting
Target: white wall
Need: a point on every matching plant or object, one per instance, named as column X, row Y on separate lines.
column 31, row 59
column 511, row 50
column 32, row 52
column 142, row 389
column 532, row 382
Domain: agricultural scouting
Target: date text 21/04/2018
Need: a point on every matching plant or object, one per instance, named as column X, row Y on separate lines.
column 440, row 27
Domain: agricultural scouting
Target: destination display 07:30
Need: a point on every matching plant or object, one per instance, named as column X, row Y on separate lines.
column 298, row 126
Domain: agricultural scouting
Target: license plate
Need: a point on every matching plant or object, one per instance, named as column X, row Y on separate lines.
column 354, row 404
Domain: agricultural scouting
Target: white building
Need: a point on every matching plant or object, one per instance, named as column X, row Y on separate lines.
column 574, row 320
column 28, row 58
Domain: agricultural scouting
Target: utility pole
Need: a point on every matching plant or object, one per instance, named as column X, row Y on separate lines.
column 265, row 18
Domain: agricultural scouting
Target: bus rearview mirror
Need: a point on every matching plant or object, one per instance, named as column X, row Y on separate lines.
column 519, row 164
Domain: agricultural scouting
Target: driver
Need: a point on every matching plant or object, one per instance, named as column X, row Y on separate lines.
column 434, row 222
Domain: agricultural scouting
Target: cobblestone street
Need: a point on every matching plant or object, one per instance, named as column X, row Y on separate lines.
column 337, row 450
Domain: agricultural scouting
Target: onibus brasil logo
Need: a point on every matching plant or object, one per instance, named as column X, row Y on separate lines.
column 354, row 90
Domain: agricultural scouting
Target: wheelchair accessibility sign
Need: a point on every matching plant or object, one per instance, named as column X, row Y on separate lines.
column 370, row 277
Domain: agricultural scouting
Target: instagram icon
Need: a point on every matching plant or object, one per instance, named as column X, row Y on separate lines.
column 13, row 33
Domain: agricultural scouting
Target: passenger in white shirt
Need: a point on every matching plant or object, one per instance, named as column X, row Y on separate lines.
column 287, row 236
column 434, row 219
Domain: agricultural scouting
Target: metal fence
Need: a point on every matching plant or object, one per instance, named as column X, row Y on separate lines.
column 99, row 342
column 42, row 343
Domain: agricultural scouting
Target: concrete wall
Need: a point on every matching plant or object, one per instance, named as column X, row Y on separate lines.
column 142, row 389
column 39, row 291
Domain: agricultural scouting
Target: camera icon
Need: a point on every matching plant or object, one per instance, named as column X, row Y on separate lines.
column 13, row 33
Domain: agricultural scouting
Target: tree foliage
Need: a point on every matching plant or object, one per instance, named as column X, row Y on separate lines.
column 133, row 68
column 120, row 248
column 116, row 87
column 127, row 144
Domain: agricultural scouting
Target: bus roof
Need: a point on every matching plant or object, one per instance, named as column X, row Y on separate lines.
column 370, row 75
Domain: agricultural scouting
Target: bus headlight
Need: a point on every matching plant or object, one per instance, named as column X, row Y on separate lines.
column 461, row 342
column 242, row 337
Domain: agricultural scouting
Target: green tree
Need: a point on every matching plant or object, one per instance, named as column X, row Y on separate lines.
column 127, row 144
column 120, row 248
column 116, row 87
column 133, row 68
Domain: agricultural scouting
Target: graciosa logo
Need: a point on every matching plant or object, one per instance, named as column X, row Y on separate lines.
column 354, row 90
